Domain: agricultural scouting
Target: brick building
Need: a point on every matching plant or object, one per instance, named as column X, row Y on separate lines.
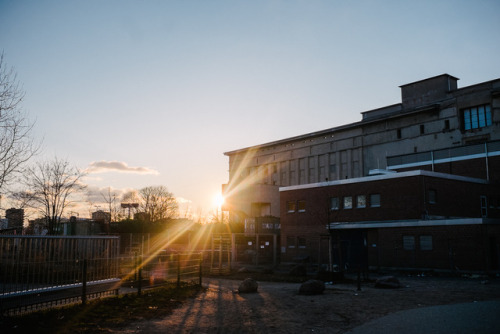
column 437, row 128
column 414, row 219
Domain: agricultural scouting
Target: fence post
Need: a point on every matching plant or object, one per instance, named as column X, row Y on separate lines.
column 201, row 264
column 139, row 275
column 84, row 282
column 178, row 270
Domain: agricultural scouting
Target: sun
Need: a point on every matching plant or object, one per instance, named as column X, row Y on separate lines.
column 219, row 200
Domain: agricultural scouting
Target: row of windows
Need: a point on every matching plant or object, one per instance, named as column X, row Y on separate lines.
column 293, row 242
column 336, row 203
column 425, row 242
column 359, row 201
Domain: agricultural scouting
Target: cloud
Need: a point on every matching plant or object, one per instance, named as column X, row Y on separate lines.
column 117, row 166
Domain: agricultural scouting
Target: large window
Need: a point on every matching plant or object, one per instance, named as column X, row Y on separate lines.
column 290, row 207
column 477, row 117
column 426, row 242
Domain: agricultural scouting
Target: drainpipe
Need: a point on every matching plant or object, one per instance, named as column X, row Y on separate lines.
column 432, row 159
column 486, row 160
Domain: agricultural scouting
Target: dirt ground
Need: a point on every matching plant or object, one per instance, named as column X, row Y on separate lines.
column 278, row 308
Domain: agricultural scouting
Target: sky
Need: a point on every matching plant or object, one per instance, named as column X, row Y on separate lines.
column 142, row 93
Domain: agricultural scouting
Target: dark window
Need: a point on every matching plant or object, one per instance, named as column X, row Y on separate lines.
column 484, row 206
column 426, row 242
column 399, row 134
column 432, row 196
column 334, row 203
column 375, row 200
column 301, row 242
column 290, row 207
column 408, row 242
column 477, row 117
column 301, row 206
column 447, row 124
column 422, row 129
column 290, row 242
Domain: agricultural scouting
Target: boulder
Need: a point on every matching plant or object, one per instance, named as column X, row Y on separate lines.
column 249, row 285
column 312, row 287
column 387, row 282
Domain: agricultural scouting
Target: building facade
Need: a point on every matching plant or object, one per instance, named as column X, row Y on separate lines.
column 437, row 127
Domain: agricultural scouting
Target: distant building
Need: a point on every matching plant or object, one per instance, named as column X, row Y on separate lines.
column 15, row 217
column 101, row 216
column 437, row 127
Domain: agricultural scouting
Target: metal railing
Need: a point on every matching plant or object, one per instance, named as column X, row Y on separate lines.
column 37, row 272
column 429, row 157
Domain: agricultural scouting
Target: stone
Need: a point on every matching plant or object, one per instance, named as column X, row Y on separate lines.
column 249, row 285
column 387, row 282
column 312, row 287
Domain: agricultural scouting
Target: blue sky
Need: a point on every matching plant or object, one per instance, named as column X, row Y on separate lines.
column 163, row 88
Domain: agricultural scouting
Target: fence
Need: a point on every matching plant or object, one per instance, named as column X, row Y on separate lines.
column 37, row 272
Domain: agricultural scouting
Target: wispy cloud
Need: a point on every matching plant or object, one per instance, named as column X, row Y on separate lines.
column 117, row 166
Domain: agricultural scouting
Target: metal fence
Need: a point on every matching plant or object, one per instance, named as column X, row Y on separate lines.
column 37, row 272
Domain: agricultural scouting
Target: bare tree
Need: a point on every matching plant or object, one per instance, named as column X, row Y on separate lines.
column 158, row 203
column 16, row 144
column 50, row 186
column 110, row 199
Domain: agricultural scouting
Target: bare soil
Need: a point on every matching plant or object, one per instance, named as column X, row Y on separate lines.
column 278, row 308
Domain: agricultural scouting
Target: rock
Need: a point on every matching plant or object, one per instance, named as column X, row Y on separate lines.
column 249, row 285
column 387, row 282
column 298, row 270
column 312, row 287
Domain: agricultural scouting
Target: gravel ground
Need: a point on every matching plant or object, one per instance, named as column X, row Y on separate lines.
column 278, row 308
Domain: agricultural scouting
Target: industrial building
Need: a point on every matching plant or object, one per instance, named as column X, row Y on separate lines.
column 378, row 171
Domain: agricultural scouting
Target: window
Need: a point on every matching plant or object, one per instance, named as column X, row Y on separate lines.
column 408, row 242
column 447, row 124
column 375, row 200
column 334, row 203
column 422, row 129
column 290, row 241
column 302, row 206
column 399, row 133
column 484, row 206
column 348, row 202
column 477, row 117
column 426, row 242
column 290, row 207
column 432, row 196
column 361, row 201
column 301, row 242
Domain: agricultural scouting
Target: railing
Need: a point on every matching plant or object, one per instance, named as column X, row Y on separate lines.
column 445, row 155
column 37, row 272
